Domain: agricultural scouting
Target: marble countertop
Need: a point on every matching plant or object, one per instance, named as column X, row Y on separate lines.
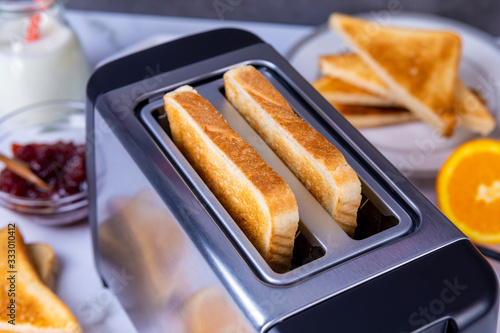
column 102, row 35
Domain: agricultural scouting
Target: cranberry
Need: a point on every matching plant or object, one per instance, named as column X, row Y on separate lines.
column 61, row 165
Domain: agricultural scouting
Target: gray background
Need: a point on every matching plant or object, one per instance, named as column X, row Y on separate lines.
column 484, row 14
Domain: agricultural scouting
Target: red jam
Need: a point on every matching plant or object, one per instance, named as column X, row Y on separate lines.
column 61, row 165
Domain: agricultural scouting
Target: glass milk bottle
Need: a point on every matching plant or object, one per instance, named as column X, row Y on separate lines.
column 40, row 56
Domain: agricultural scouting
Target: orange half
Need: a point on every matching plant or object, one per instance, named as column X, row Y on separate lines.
column 468, row 190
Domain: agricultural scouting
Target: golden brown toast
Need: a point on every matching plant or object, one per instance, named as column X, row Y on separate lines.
column 341, row 92
column 319, row 165
column 37, row 309
column 370, row 116
column 471, row 113
column 211, row 311
column 362, row 108
column 419, row 66
column 256, row 197
column 43, row 260
column 350, row 68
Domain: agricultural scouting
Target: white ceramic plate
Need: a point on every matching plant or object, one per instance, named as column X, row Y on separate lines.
column 415, row 148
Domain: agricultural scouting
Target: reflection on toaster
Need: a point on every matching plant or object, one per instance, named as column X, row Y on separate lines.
column 142, row 242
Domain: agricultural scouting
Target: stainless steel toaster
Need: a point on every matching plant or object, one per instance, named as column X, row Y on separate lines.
column 179, row 263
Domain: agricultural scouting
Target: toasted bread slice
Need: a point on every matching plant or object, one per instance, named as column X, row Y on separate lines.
column 419, row 66
column 350, row 68
column 37, row 309
column 43, row 260
column 362, row 108
column 369, row 116
column 341, row 92
column 471, row 113
column 211, row 311
column 257, row 198
column 315, row 162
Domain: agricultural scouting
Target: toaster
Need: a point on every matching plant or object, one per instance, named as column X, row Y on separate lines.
column 179, row 263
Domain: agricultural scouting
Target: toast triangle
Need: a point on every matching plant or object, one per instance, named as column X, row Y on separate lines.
column 470, row 112
column 419, row 66
column 340, row 92
column 37, row 308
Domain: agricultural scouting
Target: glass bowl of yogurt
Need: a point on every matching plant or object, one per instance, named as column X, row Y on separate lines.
column 53, row 147
column 40, row 56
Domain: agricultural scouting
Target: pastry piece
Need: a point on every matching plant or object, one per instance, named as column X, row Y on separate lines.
column 37, row 309
column 419, row 66
column 315, row 162
column 470, row 111
column 255, row 196
column 341, row 92
column 370, row 116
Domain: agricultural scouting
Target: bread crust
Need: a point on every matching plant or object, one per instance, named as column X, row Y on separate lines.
column 255, row 196
column 314, row 161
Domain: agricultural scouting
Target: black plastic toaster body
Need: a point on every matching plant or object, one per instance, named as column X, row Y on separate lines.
column 165, row 245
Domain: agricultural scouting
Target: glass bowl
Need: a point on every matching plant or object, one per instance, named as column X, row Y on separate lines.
column 45, row 123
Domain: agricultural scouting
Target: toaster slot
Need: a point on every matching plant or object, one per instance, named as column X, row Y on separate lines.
column 304, row 252
column 371, row 220
column 320, row 242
